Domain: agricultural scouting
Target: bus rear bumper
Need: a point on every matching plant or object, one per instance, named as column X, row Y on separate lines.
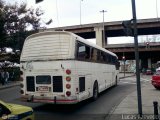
column 54, row 100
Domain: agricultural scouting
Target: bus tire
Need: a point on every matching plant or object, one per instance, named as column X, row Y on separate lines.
column 95, row 91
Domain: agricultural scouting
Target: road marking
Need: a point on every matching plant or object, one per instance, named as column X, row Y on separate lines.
column 128, row 82
column 133, row 80
column 146, row 79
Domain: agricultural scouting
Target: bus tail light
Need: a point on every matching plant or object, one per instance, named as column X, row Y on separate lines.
column 68, row 86
column 68, row 93
column 22, row 92
column 21, row 72
column 21, row 85
column 68, row 71
column 20, row 78
column 68, row 78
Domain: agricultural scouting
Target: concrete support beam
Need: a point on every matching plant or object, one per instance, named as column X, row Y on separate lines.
column 149, row 63
column 99, row 35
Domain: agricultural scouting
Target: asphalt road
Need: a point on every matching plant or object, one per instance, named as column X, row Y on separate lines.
column 87, row 110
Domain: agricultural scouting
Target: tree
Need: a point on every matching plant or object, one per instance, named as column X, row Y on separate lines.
column 15, row 20
column 2, row 23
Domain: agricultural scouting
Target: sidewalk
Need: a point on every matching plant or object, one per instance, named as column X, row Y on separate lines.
column 9, row 84
column 128, row 108
column 121, row 75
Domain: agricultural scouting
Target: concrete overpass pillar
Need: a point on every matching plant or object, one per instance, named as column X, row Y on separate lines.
column 149, row 63
column 140, row 63
column 99, row 35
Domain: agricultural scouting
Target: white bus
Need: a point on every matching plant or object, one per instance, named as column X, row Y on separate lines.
column 61, row 67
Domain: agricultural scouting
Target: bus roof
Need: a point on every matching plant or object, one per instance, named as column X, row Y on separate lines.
column 78, row 38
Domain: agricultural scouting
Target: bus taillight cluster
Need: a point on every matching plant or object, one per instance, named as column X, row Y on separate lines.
column 68, row 79
column 21, row 84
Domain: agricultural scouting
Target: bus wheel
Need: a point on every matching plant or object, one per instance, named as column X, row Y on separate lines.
column 95, row 91
column 116, row 83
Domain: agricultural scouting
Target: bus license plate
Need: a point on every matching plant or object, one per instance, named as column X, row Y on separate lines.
column 43, row 88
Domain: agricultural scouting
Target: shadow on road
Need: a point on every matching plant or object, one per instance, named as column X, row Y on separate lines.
column 85, row 110
column 63, row 108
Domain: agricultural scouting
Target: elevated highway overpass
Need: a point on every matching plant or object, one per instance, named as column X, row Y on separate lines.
column 148, row 53
column 112, row 29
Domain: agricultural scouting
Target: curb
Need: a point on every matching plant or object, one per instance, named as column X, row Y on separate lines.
column 10, row 85
column 126, row 76
column 133, row 92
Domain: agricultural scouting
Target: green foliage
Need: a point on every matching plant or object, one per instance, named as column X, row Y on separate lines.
column 14, row 22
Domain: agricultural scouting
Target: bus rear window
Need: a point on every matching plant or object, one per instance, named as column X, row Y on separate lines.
column 43, row 79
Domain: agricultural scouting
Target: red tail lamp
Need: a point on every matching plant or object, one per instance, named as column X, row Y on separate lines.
column 68, row 86
column 68, row 93
column 68, row 71
column 68, row 78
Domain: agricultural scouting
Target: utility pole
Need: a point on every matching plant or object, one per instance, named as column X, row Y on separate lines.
column 104, row 43
column 80, row 11
column 124, row 61
column 157, row 8
column 139, row 97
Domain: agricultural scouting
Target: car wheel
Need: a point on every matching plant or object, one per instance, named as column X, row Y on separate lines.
column 158, row 88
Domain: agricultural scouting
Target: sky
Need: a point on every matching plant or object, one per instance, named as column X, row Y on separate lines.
column 67, row 12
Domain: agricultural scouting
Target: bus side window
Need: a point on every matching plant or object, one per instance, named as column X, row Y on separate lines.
column 94, row 55
column 80, row 51
column 98, row 56
column 109, row 59
column 87, row 53
column 117, row 65
column 103, row 59
column 83, row 52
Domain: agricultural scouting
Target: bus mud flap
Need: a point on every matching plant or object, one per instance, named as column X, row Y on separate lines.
column 55, row 99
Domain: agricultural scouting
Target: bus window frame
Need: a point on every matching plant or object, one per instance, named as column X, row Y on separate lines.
column 88, row 59
column 112, row 60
